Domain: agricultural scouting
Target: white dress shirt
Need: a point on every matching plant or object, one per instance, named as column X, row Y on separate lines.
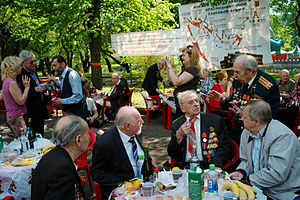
column 197, row 125
column 128, row 146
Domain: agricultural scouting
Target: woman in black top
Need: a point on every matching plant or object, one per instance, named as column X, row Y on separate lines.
column 189, row 77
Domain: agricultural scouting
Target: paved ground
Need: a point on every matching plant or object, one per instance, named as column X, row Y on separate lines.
column 156, row 135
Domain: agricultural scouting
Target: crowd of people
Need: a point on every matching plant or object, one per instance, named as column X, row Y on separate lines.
column 269, row 150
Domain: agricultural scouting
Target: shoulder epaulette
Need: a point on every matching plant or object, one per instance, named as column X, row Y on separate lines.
column 264, row 82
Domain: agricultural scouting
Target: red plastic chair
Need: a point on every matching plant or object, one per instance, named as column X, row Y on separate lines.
column 8, row 198
column 98, row 191
column 82, row 163
column 295, row 128
column 235, row 155
column 125, row 99
column 2, row 108
column 156, row 105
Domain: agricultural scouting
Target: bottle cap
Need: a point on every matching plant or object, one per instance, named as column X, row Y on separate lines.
column 141, row 156
column 211, row 166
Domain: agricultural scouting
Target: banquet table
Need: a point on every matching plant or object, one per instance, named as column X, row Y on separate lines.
column 16, row 181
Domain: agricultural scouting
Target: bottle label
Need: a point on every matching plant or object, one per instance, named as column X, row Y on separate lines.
column 212, row 186
column 195, row 181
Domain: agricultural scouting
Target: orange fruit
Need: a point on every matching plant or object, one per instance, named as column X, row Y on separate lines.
column 175, row 168
column 137, row 184
column 128, row 186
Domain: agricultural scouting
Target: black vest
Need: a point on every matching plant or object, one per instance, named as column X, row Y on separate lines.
column 80, row 108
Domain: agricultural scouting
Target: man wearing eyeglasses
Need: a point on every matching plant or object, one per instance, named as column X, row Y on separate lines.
column 35, row 103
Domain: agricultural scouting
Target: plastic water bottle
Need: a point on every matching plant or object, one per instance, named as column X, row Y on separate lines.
column 139, row 166
column 195, row 161
column 212, row 179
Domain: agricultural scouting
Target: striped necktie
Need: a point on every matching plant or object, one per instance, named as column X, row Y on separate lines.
column 192, row 135
column 134, row 149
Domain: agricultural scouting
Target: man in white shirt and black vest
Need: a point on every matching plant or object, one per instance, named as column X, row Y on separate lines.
column 72, row 99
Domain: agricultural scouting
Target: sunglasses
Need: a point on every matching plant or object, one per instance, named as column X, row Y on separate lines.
column 190, row 47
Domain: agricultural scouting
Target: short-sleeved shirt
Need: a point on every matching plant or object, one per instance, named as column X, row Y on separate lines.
column 212, row 102
column 90, row 105
column 191, row 85
column 206, row 85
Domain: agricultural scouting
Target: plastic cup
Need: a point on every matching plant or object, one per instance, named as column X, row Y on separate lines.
column 148, row 189
column 176, row 174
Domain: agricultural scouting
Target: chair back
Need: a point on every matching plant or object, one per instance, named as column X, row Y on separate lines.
column 8, row 198
column 98, row 191
column 125, row 99
column 81, row 161
column 295, row 128
column 148, row 100
column 235, row 154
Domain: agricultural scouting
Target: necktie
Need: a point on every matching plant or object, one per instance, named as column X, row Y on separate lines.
column 192, row 135
column 134, row 149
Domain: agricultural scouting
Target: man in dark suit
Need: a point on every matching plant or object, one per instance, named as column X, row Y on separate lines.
column 36, row 101
column 152, row 76
column 55, row 176
column 206, row 131
column 115, row 93
column 114, row 160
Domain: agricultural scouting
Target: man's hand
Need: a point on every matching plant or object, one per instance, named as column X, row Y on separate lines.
column 40, row 88
column 183, row 131
column 216, row 95
column 236, row 110
column 237, row 175
column 57, row 101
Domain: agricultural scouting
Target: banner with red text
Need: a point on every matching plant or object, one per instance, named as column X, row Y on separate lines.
column 239, row 25
column 148, row 43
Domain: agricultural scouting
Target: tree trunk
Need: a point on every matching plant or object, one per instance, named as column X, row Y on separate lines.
column 95, row 44
column 125, row 65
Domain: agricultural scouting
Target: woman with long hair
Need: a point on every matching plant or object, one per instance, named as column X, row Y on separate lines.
column 13, row 97
column 189, row 77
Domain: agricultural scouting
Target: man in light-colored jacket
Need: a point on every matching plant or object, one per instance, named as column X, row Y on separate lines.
column 269, row 153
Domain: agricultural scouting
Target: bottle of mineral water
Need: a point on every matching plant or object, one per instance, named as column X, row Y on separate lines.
column 212, row 179
column 195, row 161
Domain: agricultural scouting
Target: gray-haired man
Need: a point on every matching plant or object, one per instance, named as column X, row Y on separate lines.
column 35, row 103
column 55, row 176
column 269, row 153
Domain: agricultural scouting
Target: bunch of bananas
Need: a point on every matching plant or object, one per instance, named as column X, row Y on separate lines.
column 24, row 162
column 47, row 148
column 242, row 190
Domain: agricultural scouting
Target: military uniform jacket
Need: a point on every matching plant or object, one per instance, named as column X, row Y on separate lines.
column 263, row 87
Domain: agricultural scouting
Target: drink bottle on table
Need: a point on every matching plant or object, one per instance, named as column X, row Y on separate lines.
column 148, row 172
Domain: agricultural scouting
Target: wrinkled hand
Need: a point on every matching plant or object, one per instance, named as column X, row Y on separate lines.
column 51, row 77
column 216, row 95
column 183, row 131
column 91, row 120
column 57, row 101
column 229, row 84
column 236, row 175
column 26, row 81
column 235, row 109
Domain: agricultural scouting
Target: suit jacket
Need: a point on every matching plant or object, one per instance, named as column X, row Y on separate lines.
column 210, row 124
column 36, row 107
column 279, row 161
column 114, row 97
column 110, row 162
column 55, row 177
column 150, row 81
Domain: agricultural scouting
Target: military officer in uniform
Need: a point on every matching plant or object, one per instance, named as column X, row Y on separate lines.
column 250, row 83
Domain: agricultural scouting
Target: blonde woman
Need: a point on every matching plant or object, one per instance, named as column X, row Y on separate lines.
column 13, row 97
column 189, row 77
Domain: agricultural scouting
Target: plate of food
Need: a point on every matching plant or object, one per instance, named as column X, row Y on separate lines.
column 164, row 188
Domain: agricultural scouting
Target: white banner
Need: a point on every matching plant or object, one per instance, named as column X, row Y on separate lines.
column 161, row 42
column 240, row 25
